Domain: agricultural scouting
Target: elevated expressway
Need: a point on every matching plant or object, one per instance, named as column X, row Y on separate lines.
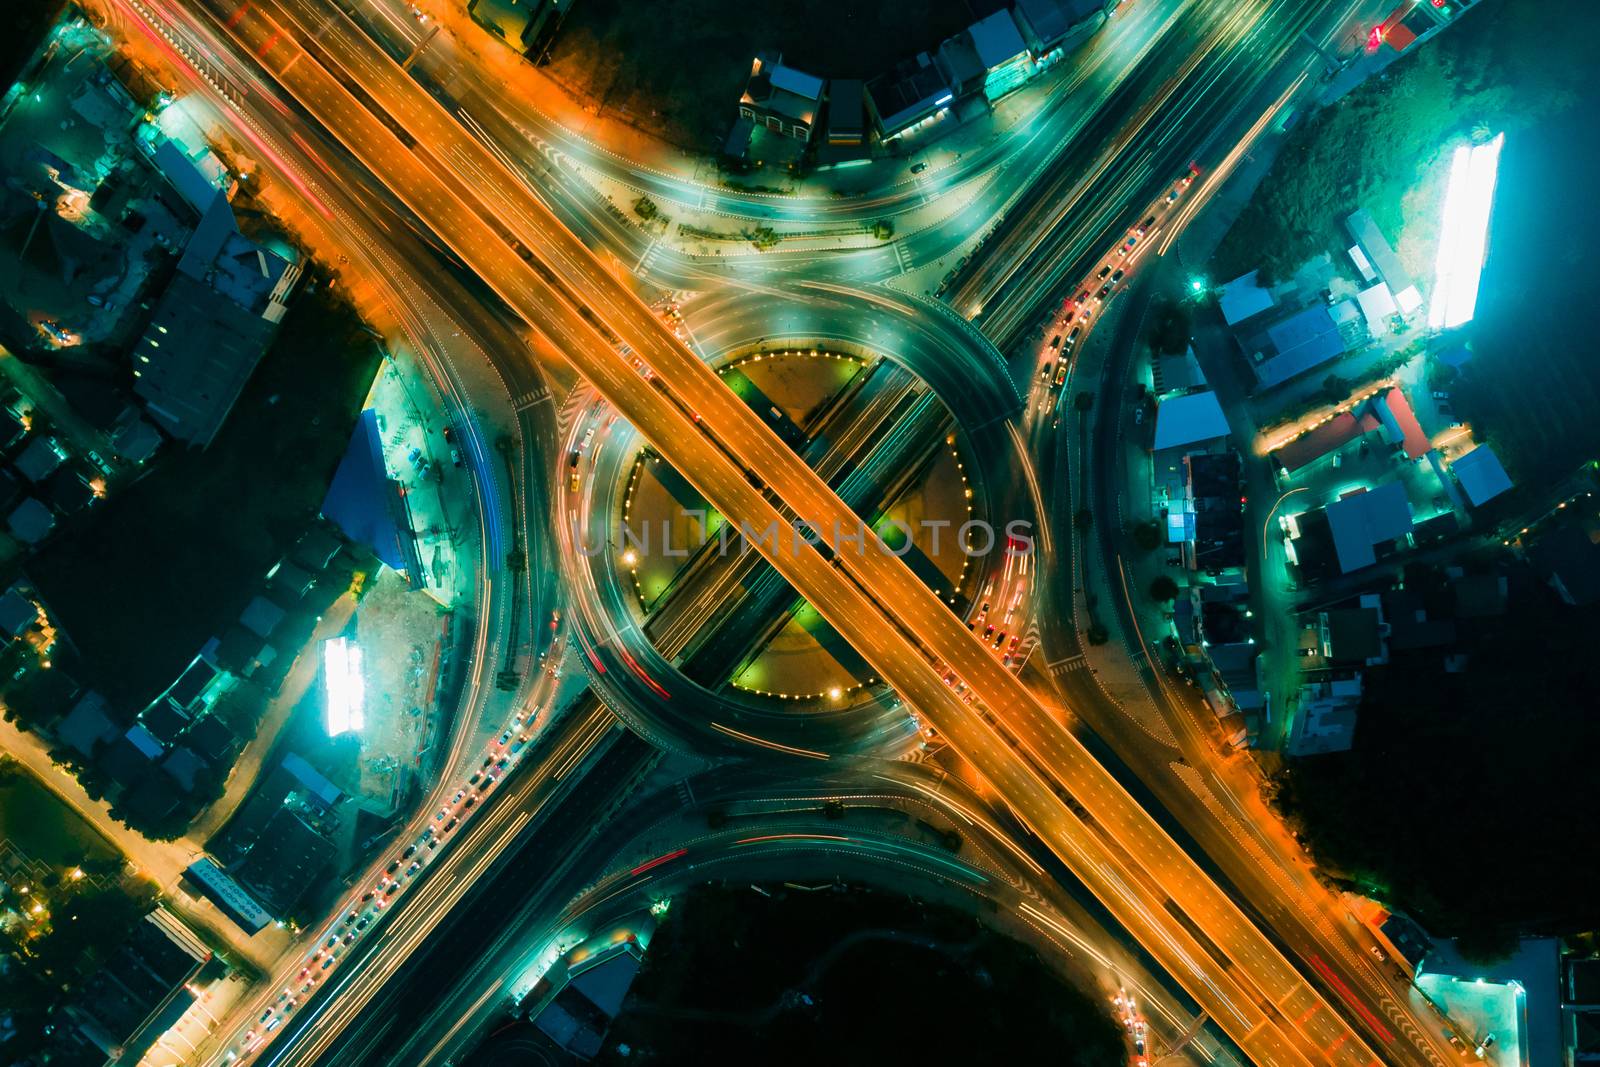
column 472, row 201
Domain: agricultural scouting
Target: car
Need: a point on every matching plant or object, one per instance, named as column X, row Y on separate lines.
column 348, row 919
column 1068, row 317
column 473, row 799
column 411, row 850
column 1172, row 196
column 1378, row 954
column 1144, row 227
column 365, row 922
column 392, row 890
column 269, row 1013
column 1440, row 395
column 505, row 737
column 1072, row 337
column 459, row 794
column 1138, row 416
column 455, row 457
column 1055, row 342
column 1044, row 372
column 394, row 865
column 348, row 939
column 1083, row 294
column 1105, row 291
column 334, row 940
column 416, row 866
column 451, row 825
column 449, row 436
column 368, row 895
column 918, row 168
column 1105, row 270
column 1061, row 374
column 327, row 963
column 1117, row 276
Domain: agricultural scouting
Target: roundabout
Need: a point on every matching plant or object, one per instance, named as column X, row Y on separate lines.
column 684, row 627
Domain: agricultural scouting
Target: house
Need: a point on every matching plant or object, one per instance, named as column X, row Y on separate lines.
column 1411, row 628
column 988, row 57
column 781, row 98
column 1367, row 524
column 185, row 767
column 133, row 437
column 315, row 549
column 366, row 504
column 1569, row 558
column 1215, row 506
column 289, row 582
column 1375, row 258
column 211, row 326
column 12, row 430
column 164, row 721
column 88, row 725
column 915, row 92
column 1377, row 307
column 1400, row 426
column 1175, row 373
column 1243, row 298
column 1324, row 439
column 306, row 777
column 1048, row 25
column 1191, row 420
column 17, row 614
column 1354, row 636
column 261, row 616
column 1481, row 476
column 40, row 459
column 211, row 739
column 30, row 521
column 67, row 491
column 1294, row 345
column 1326, row 718
column 130, row 757
column 847, row 115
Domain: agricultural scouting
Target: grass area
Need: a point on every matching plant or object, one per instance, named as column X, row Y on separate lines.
column 1463, row 796
column 26, row 21
column 38, row 823
column 678, row 69
column 889, row 981
column 1506, row 67
column 171, row 559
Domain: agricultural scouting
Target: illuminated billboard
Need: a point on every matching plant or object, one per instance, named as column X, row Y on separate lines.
column 1464, row 234
column 346, row 688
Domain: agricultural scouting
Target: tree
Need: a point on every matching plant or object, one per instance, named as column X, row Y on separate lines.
column 1170, row 326
column 1147, row 536
column 1163, row 589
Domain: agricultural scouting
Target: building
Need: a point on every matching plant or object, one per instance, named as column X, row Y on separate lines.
column 1294, row 345
column 40, row 459
column 1400, row 425
column 1243, row 298
column 1354, row 636
column 574, row 1002
column 232, row 899
column 915, row 92
column 847, row 113
column 1326, row 718
column 988, row 57
column 782, row 99
column 366, row 504
column 1194, row 420
column 1377, row 307
column 87, row 726
column 1175, row 373
column 17, row 614
column 1481, row 476
column 1326, row 438
column 139, row 991
column 526, row 25
column 287, row 860
column 211, row 326
column 1052, row 25
column 1213, row 513
column 1519, row 997
column 1368, row 524
column 1376, row 259
column 30, row 521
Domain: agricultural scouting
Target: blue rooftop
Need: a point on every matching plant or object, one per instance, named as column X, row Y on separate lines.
column 1481, row 475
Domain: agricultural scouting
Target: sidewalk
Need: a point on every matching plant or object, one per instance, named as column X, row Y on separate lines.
column 159, row 861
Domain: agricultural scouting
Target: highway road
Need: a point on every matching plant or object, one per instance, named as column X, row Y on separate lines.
column 1223, row 960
